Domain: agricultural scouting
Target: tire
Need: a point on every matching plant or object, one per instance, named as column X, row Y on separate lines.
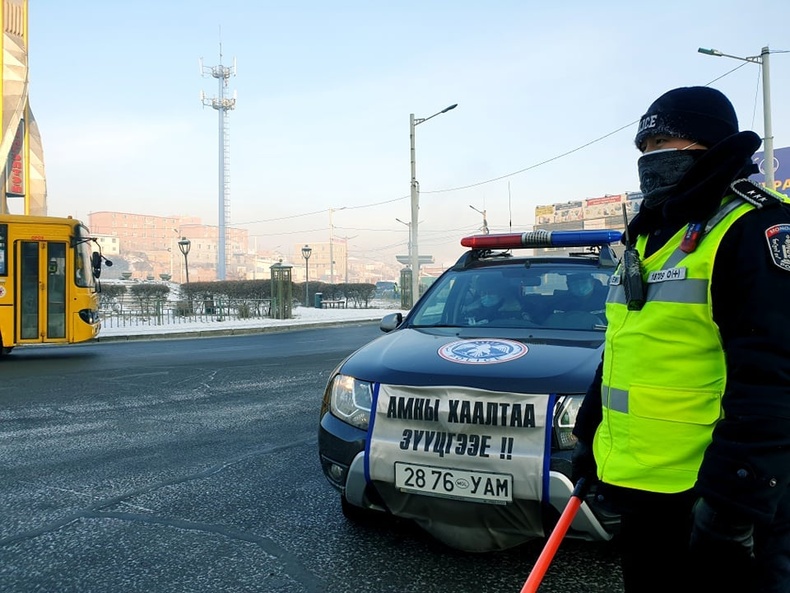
column 357, row 514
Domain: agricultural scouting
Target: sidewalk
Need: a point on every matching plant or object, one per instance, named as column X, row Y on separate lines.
column 303, row 318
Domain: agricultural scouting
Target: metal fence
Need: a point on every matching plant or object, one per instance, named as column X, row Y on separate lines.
column 118, row 314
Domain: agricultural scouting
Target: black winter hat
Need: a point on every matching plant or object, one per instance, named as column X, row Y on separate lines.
column 696, row 113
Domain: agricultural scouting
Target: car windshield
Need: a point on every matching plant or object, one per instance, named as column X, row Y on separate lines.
column 508, row 296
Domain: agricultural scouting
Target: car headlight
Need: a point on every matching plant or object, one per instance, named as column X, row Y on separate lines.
column 351, row 399
column 565, row 413
column 89, row 316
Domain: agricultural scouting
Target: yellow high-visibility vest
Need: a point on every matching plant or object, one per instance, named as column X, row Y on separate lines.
column 664, row 369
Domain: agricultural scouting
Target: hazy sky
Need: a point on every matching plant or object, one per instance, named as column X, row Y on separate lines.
column 548, row 97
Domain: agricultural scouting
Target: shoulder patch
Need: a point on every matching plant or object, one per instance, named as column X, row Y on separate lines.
column 754, row 193
column 778, row 237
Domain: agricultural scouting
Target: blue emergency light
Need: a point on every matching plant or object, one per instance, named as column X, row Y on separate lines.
column 582, row 238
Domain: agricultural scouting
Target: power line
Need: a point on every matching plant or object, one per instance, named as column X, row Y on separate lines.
column 494, row 179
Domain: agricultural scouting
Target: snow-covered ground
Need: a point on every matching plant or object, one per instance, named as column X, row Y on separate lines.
column 301, row 316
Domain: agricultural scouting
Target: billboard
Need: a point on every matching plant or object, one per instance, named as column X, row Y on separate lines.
column 608, row 205
column 544, row 214
column 568, row 211
column 781, row 169
column 15, row 166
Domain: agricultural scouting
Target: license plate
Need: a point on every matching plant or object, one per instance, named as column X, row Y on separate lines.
column 454, row 483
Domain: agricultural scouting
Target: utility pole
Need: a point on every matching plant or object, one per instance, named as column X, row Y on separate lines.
column 345, row 257
column 768, row 135
column 414, row 249
column 331, row 249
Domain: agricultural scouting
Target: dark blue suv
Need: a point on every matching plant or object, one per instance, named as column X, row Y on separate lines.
column 460, row 416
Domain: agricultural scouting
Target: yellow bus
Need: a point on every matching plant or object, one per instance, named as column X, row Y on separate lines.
column 48, row 281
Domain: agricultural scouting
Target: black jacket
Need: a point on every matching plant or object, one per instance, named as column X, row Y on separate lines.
column 746, row 468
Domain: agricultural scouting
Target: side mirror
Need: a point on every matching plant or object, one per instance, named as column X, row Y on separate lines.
column 390, row 322
column 96, row 264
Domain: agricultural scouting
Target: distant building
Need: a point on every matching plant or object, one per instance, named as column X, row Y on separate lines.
column 146, row 246
column 605, row 212
column 346, row 268
column 149, row 246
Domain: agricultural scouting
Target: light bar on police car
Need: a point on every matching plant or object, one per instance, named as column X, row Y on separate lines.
column 585, row 238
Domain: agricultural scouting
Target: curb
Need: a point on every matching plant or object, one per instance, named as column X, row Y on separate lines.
column 237, row 331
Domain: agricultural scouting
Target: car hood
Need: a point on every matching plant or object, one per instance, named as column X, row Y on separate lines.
column 547, row 362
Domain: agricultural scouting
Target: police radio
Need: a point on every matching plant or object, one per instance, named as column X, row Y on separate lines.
column 631, row 273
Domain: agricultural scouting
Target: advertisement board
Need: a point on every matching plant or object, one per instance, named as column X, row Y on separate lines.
column 568, row 211
column 608, row 205
column 15, row 166
column 781, row 169
column 544, row 214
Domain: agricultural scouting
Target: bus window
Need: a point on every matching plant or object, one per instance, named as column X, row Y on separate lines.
column 3, row 249
column 29, row 291
column 56, row 290
column 83, row 275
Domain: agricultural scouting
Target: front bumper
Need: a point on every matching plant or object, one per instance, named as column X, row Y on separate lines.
column 460, row 524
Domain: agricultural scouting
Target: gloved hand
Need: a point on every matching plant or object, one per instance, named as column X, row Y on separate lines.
column 721, row 550
column 583, row 463
column 717, row 532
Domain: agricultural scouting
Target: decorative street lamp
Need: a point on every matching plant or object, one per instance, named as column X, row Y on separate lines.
column 768, row 136
column 415, row 205
column 184, row 245
column 307, row 251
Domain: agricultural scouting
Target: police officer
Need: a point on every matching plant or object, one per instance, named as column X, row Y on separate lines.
column 585, row 293
column 686, row 426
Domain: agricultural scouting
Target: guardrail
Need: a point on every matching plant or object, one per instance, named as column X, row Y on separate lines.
column 174, row 313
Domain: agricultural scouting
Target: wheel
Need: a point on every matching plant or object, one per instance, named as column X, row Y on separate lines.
column 357, row 514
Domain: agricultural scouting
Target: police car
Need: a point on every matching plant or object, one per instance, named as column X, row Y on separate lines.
column 460, row 416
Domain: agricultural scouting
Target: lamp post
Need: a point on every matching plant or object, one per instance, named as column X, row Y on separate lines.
column 307, row 251
column 415, row 205
column 407, row 225
column 485, row 221
column 768, row 137
column 184, row 245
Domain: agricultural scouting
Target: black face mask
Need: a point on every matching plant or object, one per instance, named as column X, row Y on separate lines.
column 661, row 170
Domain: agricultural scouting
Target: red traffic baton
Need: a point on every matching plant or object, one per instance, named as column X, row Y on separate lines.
column 553, row 543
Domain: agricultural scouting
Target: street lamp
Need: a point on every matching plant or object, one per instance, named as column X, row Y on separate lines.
column 415, row 205
column 485, row 222
column 408, row 225
column 768, row 139
column 307, row 251
column 184, row 245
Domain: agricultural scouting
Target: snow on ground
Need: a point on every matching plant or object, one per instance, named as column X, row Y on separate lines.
column 301, row 316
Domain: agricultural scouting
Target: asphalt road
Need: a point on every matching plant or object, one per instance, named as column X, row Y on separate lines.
column 191, row 465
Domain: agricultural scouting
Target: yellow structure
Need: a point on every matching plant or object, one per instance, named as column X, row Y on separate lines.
column 22, row 178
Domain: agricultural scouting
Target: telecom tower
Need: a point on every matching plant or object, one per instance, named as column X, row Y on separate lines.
column 223, row 104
